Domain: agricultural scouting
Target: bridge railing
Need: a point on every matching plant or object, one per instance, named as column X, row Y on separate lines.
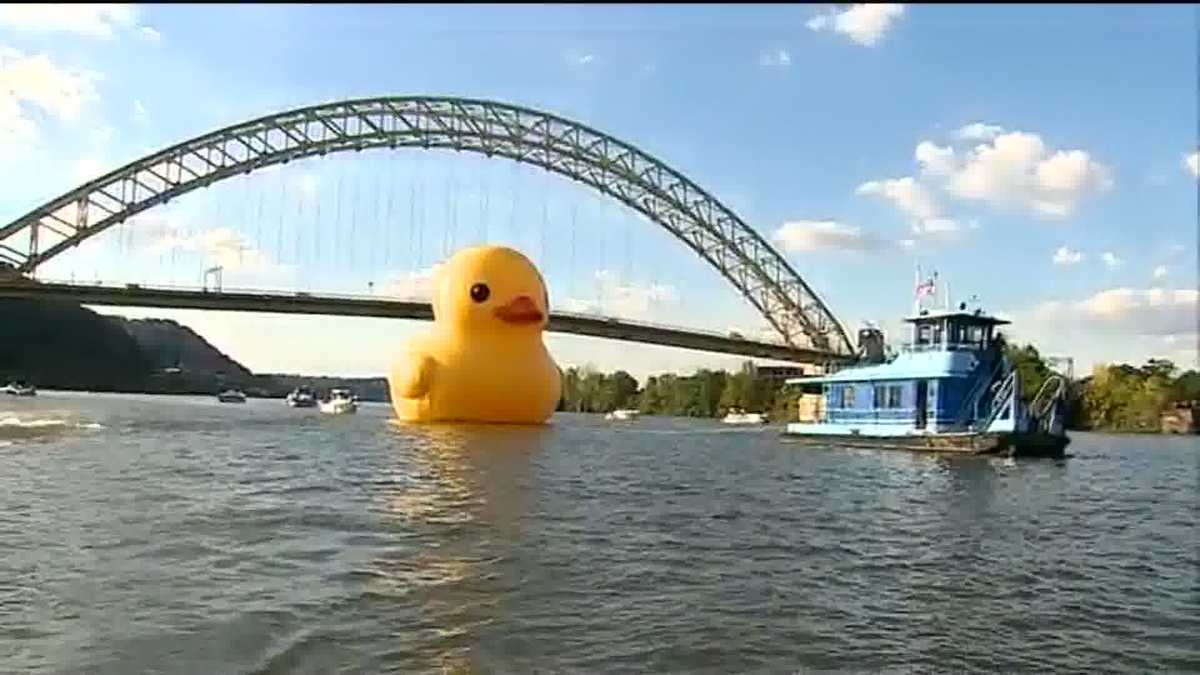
column 729, row 335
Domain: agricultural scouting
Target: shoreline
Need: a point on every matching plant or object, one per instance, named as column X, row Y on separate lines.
column 280, row 397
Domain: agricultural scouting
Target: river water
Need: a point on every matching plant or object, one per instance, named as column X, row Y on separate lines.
column 147, row 534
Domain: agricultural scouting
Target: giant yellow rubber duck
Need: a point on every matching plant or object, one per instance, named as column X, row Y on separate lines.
column 484, row 360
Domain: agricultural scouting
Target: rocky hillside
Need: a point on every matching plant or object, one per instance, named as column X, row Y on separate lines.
column 171, row 345
column 63, row 345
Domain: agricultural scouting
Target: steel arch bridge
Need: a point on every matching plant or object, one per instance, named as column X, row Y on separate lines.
column 614, row 168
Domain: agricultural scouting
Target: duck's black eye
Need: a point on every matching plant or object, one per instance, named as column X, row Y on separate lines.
column 480, row 292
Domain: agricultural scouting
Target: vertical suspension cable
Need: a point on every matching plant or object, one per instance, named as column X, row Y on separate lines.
column 412, row 222
column 446, row 222
column 279, row 230
column 258, row 221
column 484, row 211
column 545, row 222
column 628, row 252
column 573, row 277
column 512, row 216
column 453, row 212
column 354, row 219
column 421, row 226
column 298, row 238
column 479, row 195
column 337, row 216
column 390, row 222
column 316, row 238
column 377, row 217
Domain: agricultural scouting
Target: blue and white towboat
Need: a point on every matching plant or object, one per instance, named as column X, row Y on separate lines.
column 951, row 389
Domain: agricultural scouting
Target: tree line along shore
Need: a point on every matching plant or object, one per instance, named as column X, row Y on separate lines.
column 59, row 345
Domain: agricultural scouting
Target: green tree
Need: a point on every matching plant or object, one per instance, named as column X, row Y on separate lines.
column 570, row 390
column 651, row 401
column 1032, row 370
column 623, row 389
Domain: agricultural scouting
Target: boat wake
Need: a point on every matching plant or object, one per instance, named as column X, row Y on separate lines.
column 12, row 427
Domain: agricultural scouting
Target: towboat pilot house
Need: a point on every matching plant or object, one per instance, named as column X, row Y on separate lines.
column 950, row 380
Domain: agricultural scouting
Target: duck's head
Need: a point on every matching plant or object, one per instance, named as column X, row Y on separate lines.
column 491, row 288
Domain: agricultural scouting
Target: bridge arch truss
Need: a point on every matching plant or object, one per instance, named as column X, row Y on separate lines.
column 615, row 168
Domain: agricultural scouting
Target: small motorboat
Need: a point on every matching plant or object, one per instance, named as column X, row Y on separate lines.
column 739, row 416
column 232, row 396
column 19, row 388
column 302, row 397
column 623, row 415
column 340, row 402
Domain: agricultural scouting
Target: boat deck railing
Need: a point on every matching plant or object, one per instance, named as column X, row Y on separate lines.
column 940, row 346
column 863, row 416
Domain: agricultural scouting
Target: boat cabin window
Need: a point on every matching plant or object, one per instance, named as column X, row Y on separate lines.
column 809, row 389
column 924, row 334
column 844, row 397
column 887, row 396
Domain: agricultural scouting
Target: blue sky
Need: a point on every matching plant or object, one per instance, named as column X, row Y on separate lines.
column 1036, row 156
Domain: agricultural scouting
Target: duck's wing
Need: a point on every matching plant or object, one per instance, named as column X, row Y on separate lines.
column 412, row 375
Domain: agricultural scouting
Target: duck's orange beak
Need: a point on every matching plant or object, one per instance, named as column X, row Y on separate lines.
column 521, row 310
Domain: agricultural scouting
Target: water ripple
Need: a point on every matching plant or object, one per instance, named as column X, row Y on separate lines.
column 146, row 534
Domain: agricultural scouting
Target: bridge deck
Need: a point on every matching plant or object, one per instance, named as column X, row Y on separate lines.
column 302, row 303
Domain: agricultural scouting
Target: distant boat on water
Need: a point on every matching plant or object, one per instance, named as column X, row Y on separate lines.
column 340, row 402
column 232, row 396
column 625, row 415
column 739, row 416
column 302, row 397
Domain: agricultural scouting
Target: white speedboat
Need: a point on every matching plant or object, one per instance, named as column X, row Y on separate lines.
column 737, row 416
column 623, row 415
column 231, row 396
column 19, row 388
column 302, row 397
column 340, row 402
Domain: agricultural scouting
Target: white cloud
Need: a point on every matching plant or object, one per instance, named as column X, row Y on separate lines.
column 778, row 58
column 139, row 112
column 1017, row 168
column 1161, row 272
column 1111, row 260
column 94, row 20
column 1192, row 162
column 34, row 86
column 914, row 199
column 934, row 159
column 85, row 169
column 979, row 131
column 1065, row 256
column 865, row 24
column 1118, row 324
column 164, row 230
column 1014, row 169
column 150, row 34
column 824, row 235
column 580, row 58
column 1154, row 311
column 623, row 299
